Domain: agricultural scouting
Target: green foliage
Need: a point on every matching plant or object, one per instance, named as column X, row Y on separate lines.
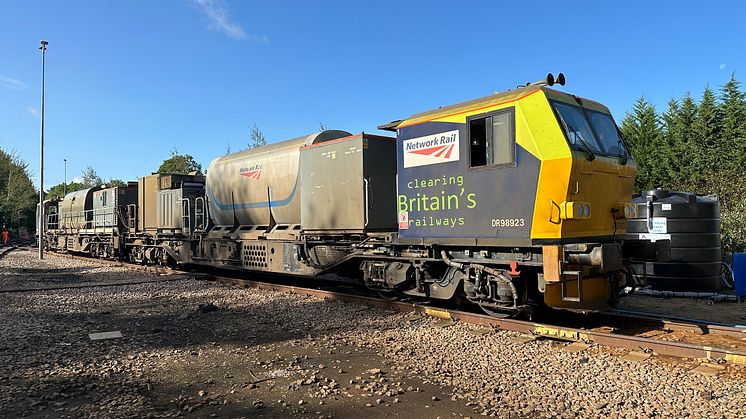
column 18, row 198
column 59, row 189
column 181, row 164
column 115, row 182
column 733, row 134
column 696, row 147
column 91, row 178
column 642, row 129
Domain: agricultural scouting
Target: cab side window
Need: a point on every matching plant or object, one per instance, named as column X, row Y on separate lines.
column 492, row 139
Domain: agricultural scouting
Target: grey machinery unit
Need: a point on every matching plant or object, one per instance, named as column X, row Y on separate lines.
column 347, row 185
column 110, row 206
column 170, row 204
column 692, row 224
column 181, row 210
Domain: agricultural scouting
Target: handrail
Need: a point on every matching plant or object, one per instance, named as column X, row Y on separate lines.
column 186, row 216
column 199, row 214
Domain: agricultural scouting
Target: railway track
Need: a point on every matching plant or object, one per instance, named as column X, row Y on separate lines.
column 605, row 338
column 611, row 329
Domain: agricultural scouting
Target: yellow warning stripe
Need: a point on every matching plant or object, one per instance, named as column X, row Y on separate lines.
column 560, row 333
column 438, row 313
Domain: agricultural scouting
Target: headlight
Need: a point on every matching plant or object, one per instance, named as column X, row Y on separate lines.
column 575, row 210
column 628, row 209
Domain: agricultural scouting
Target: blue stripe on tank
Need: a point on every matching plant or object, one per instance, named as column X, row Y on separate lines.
column 260, row 204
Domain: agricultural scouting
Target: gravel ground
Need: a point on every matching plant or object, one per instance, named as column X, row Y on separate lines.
column 21, row 268
column 267, row 354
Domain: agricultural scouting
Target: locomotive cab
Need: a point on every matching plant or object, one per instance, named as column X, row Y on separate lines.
column 523, row 194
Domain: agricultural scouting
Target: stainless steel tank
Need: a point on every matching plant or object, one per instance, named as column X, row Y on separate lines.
column 251, row 184
column 76, row 209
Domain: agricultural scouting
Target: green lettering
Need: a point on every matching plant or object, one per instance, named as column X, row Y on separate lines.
column 424, row 203
column 472, row 200
column 452, row 202
column 403, row 203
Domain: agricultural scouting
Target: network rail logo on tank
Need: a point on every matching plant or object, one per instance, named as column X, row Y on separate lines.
column 431, row 149
column 252, row 172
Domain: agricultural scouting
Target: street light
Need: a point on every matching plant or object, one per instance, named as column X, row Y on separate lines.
column 43, row 48
column 64, row 185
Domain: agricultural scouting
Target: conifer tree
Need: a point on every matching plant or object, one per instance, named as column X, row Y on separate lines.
column 670, row 127
column 706, row 129
column 732, row 144
column 642, row 129
column 685, row 146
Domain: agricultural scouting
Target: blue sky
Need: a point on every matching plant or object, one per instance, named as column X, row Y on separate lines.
column 127, row 81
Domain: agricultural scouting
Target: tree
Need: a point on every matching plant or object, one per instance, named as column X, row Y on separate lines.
column 685, row 145
column 732, row 145
column 18, row 198
column 703, row 150
column 91, row 178
column 59, row 189
column 115, row 182
column 322, row 127
column 670, row 127
column 181, row 164
column 642, row 129
column 706, row 129
column 256, row 137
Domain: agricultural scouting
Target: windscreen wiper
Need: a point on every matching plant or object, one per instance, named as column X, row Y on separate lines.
column 591, row 155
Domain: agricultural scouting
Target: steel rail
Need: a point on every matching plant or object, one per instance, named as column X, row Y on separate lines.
column 679, row 323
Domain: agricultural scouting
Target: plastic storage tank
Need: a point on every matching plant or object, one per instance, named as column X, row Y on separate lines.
column 249, row 185
column 692, row 223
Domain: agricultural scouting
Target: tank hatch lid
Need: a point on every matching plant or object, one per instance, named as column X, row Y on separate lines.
column 347, row 138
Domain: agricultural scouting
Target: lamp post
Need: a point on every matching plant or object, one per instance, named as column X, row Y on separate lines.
column 64, row 185
column 43, row 48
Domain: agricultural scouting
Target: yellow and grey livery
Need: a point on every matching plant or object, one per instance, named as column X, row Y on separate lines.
column 557, row 186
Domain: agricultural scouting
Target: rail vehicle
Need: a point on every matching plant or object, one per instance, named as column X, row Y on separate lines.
column 511, row 201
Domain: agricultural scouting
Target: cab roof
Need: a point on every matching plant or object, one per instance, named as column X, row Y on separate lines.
column 494, row 99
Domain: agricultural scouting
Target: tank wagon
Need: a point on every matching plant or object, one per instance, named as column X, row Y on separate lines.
column 511, row 201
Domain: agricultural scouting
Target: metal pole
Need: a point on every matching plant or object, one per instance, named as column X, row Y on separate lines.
column 43, row 48
column 64, row 185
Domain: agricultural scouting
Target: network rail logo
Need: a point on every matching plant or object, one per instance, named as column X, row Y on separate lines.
column 431, row 149
column 252, row 172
